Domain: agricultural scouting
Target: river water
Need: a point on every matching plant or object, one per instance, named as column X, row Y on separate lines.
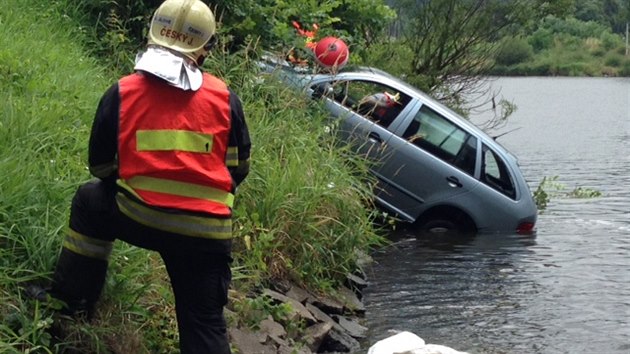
column 565, row 289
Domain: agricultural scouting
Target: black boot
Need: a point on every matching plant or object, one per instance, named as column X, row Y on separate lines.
column 78, row 282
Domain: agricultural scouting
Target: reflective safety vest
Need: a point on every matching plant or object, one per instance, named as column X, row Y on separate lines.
column 172, row 147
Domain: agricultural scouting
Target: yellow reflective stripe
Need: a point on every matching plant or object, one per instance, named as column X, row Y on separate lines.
column 190, row 225
column 124, row 185
column 183, row 189
column 87, row 246
column 231, row 158
column 168, row 140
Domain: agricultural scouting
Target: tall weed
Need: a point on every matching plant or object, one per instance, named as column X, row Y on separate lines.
column 303, row 213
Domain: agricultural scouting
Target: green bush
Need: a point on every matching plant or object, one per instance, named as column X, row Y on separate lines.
column 569, row 43
column 573, row 27
column 514, row 51
column 611, row 40
column 392, row 54
column 573, row 69
column 540, row 68
column 613, row 59
column 572, row 48
column 599, row 52
column 541, row 39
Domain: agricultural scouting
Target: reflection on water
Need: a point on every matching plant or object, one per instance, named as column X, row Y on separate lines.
column 500, row 294
column 455, row 293
column 564, row 290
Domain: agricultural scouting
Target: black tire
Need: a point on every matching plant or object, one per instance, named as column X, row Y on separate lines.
column 437, row 226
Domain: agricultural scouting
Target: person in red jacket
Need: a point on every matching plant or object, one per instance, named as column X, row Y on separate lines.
column 169, row 145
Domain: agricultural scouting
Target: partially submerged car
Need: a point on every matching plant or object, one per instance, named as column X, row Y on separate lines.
column 434, row 168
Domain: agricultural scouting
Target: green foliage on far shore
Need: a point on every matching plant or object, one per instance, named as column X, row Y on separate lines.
column 543, row 53
column 304, row 213
column 564, row 47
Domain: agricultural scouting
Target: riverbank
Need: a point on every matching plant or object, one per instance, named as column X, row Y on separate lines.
column 327, row 324
column 302, row 215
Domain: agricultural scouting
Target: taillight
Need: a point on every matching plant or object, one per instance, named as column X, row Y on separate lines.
column 525, row 228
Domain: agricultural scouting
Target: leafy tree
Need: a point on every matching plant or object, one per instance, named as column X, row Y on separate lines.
column 122, row 24
column 612, row 13
column 454, row 40
column 364, row 20
column 270, row 21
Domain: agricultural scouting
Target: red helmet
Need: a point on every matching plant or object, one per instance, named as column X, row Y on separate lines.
column 331, row 52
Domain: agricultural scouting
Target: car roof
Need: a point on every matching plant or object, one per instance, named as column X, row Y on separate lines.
column 364, row 72
column 304, row 76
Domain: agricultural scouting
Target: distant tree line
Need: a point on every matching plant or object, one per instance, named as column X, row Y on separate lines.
column 440, row 46
column 458, row 24
column 612, row 13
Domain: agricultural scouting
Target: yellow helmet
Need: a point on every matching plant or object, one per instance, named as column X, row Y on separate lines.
column 186, row 26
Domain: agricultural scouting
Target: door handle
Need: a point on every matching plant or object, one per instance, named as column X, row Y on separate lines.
column 375, row 138
column 454, row 182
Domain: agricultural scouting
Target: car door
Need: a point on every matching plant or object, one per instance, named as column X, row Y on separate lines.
column 359, row 121
column 429, row 161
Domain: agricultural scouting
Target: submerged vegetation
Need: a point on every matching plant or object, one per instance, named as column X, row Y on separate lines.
column 550, row 188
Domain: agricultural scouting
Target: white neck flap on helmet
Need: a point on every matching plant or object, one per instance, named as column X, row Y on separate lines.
column 171, row 67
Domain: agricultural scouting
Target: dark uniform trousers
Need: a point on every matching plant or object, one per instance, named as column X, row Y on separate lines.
column 199, row 269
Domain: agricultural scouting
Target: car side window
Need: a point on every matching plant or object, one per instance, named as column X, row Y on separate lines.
column 376, row 102
column 494, row 173
column 440, row 137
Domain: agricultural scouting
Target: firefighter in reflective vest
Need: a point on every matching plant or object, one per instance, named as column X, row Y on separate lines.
column 169, row 145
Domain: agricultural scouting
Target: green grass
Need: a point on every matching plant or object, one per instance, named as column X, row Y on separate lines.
column 303, row 206
column 46, row 82
column 303, row 214
column 48, row 97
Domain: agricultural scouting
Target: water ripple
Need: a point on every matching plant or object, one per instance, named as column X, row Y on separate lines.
column 565, row 290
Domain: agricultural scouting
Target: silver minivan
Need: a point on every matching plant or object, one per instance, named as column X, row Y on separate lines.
column 434, row 168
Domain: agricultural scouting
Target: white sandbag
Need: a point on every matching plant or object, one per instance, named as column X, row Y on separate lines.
column 409, row 343
column 436, row 349
column 403, row 342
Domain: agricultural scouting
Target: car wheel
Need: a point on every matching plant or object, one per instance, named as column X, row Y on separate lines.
column 437, row 226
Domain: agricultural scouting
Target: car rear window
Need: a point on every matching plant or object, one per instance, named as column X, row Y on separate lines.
column 494, row 173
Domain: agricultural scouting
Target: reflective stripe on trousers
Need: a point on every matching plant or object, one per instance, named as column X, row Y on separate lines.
column 189, row 225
